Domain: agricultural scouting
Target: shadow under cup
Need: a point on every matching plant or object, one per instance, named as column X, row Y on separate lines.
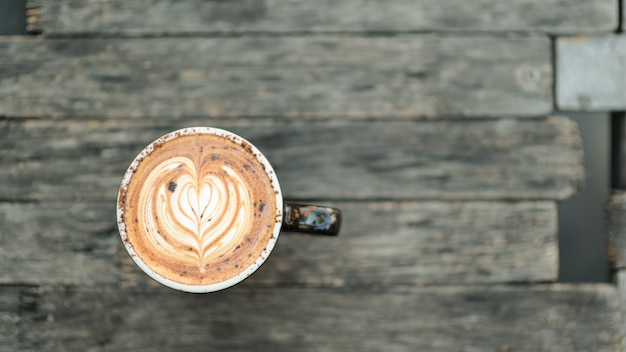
column 200, row 209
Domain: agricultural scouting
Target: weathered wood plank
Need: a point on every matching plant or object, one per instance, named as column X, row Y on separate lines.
column 617, row 230
column 623, row 19
column 590, row 74
column 9, row 318
column 536, row 318
column 311, row 76
column 426, row 242
column 471, row 160
column 67, row 17
column 381, row 243
column 58, row 243
column 385, row 243
column 620, row 278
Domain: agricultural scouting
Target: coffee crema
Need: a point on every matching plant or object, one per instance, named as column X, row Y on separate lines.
column 200, row 206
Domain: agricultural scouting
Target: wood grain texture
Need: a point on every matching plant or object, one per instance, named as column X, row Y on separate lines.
column 471, row 160
column 590, row 74
column 68, row 17
column 623, row 19
column 9, row 318
column 498, row 318
column 59, row 243
column 384, row 244
column 616, row 226
column 381, row 243
column 311, row 76
column 620, row 280
column 619, row 277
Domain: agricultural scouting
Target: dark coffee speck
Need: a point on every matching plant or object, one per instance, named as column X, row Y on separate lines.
column 171, row 187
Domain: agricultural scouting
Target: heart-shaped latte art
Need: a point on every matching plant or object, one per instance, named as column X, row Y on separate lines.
column 194, row 213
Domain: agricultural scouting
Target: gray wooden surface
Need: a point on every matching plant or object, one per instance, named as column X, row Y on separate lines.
column 417, row 75
column 72, row 17
column 454, row 318
column 590, row 74
column 620, row 279
column 424, row 121
column 9, row 318
column 382, row 243
column 487, row 159
column 616, row 245
column 616, row 215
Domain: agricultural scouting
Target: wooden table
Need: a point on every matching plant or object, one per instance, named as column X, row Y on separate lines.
column 428, row 122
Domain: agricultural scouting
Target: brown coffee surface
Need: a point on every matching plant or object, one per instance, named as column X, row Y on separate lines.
column 199, row 209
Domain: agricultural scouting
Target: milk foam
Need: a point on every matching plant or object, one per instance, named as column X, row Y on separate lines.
column 194, row 216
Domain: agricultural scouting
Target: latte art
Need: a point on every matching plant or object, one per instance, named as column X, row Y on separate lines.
column 198, row 209
column 197, row 215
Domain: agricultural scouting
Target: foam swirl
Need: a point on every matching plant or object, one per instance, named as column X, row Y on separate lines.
column 193, row 214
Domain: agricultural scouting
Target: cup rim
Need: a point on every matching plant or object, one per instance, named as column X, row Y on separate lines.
column 243, row 274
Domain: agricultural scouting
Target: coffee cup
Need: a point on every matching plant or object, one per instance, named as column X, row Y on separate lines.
column 200, row 209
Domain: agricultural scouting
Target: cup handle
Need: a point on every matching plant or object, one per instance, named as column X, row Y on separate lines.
column 313, row 219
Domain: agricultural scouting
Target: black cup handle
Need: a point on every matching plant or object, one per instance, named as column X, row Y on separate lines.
column 313, row 219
